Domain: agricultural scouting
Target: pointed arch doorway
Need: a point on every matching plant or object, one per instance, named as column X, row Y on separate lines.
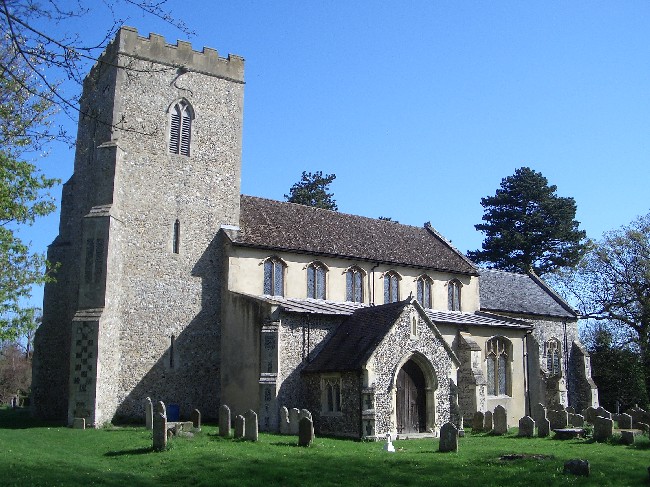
column 411, row 399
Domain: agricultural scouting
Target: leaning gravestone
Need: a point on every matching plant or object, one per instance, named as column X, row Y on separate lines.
column 477, row 422
column 284, row 420
column 603, row 428
column 487, row 426
column 559, row 418
column 195, row 417
column 251, row 427
column 294, row 418
column 224, row 421
column 543, row 428
column 590, row 414
column 500, row 419
column 601, row 411
column 148, row 413
column 539, row 412
column 448, row 438
column 305, row 432
column 624, row 421
column 527, row 426
column 160, row 427
column 240, row 426
column 304, row 413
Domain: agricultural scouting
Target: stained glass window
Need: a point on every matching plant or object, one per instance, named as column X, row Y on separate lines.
column 497, row 353
column 354, row 285
column 391, row 287
column 316, row 281
column 273, row 277
column 424, row 291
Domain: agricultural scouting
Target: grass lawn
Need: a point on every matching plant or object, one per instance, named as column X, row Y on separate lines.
column 33, row 453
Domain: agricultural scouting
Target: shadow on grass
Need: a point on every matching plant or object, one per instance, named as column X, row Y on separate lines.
column 134, row 451
column 20, row 418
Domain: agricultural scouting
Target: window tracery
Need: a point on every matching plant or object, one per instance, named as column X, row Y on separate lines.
column 424, row 291
column 180, row 128
column 316, row 278
column 498, row 369
column 273, row 277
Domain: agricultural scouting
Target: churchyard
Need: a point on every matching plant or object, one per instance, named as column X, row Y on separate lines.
column 33, row 453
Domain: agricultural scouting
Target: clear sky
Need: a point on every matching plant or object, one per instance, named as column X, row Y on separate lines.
column 420, row 108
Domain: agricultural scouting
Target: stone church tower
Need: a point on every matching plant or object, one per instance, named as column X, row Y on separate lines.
column 156, row 175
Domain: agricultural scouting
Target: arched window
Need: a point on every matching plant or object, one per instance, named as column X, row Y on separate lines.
column 553, row 357
column 273, row 277
column 498, row 374
column 354, row 285
column 331, row 394
column 453, row 295
column 180, row 128
column 391, row 287
column 424, row 291
column 316, row 280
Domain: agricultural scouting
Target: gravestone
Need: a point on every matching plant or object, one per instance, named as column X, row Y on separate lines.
column 601, row 411
column 148, row 413
column 195, row 417
column 477, row 422
column 487, row 426
column 539, row 412
column 543, row 428
column 559, row 418
column 284, row 420
column 224, row 421
column 160, row 427
column 500, row 419
column 576, row 420
column 250, row 428
column 527, row 426
column 305, row 432
column 294, row 417
column 304, row 413
column 79, row 423
column 448, row 438
column 603, row 428
column 627, row 437
column 570, row 410
column 577, row 467
column 240, row 426
column 625, row 421
column 590, row 414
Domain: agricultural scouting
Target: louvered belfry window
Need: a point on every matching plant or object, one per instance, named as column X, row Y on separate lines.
column 180, row 130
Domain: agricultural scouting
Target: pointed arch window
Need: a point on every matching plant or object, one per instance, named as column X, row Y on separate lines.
column 424, row 291
column 391, row 287
column 180, row 128
column 354, row 285
column 273, row 277
column 553, row 357
column 316, row 272
column 498, row 367
column 453, row 295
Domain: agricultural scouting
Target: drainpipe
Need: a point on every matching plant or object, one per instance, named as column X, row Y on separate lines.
column 372, row 277
column 526, row 371
column 566, row 363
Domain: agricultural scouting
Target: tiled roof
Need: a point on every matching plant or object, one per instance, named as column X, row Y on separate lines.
column 509, row 292
column 356, row 338
column 476, row 319
column 315, row 306
column 281, row 226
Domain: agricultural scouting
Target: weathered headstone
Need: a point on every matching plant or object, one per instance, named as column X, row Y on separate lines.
column 284, row 420
column 148, row 413
column 590, row 414
column 304, row 413
column 160, row 427
column 487, row 425
column 294, row 418
column 577, row 467
column 448, row 438
column 305, row 432
column 543, row 428
column 601, row 411
column 240, row 426
column 539, row 412
column 224, row 421
column 559, row 418
column 603, row 428
column 576, row 420
column 251, row 431
column 195, row 417
column 477, row 422
column 527, row 426
column 500, row 419
column 79, row 423
column 625, row 421
column 627, row 437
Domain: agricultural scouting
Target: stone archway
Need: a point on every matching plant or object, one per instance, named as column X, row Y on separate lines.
column 415, row 386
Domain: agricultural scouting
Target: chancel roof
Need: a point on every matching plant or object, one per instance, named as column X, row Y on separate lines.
column 510, row 292
column 282, row 226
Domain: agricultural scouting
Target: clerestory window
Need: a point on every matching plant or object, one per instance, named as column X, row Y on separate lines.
column 354, row 285
column 180, row 128
column 453, row 295
column 424, row 291
column 391, row 287
column 316, row 272
column 498, row 366
column 273, row 277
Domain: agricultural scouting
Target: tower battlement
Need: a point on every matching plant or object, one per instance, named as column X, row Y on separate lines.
column 181, row 55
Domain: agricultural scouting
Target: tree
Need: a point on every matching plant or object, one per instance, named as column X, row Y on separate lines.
column 612, row 285
column 528, row 226
column 312, row 190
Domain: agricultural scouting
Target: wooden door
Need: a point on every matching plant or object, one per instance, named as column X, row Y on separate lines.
column 411, row 399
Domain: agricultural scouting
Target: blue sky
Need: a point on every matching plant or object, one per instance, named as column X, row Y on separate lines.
column 421, row 108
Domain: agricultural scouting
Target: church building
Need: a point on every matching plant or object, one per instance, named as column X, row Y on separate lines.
column 174, row 286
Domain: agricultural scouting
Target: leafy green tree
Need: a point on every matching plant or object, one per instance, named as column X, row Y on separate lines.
column 312, row 190
column 612, row 285
column 528, row 226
